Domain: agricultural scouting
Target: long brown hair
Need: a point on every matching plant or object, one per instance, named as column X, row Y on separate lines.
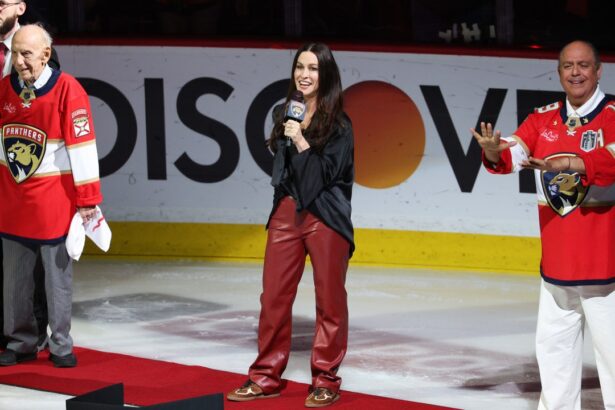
column 329, row 98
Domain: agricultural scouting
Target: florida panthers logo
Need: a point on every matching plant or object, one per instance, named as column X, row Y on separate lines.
column 564, row 191
column 24, row 147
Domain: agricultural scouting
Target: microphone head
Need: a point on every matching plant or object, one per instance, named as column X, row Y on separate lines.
column 297, row 96
column 296, row 108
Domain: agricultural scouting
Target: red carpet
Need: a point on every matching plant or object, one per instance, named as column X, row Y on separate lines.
column 148, row 382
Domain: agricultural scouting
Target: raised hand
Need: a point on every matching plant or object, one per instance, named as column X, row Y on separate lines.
column 489, row 141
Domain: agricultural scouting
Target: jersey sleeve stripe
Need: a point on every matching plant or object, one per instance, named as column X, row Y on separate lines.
column 84, row 163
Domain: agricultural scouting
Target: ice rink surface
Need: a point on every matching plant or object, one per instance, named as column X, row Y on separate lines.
column 459, row 339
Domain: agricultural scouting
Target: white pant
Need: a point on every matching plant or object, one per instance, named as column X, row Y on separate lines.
column 562, row 313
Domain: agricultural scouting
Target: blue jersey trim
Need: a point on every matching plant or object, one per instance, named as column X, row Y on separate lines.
column 52, row 241
column 576, row 282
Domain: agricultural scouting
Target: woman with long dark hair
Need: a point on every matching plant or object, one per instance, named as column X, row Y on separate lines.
column 313, row 174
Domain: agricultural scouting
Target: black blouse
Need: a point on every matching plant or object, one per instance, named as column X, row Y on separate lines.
column 320, row 182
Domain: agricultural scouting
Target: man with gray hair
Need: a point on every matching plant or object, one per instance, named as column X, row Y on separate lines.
column 48, row 170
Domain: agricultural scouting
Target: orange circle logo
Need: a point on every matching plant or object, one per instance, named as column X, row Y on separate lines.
column 389, row 133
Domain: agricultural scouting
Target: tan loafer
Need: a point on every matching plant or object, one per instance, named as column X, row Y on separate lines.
column 249, row 391
column 321, row 397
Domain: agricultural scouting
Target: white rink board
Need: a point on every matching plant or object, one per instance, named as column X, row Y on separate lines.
column 429, row 200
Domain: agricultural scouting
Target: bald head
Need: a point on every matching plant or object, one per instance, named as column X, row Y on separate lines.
column 31, row 50
column 35, row 34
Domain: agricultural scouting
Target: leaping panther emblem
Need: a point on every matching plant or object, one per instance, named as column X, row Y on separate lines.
column 564, row 190
column 23, row 158
column 24, row 148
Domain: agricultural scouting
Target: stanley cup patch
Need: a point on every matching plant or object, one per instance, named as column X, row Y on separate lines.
column 590, row 139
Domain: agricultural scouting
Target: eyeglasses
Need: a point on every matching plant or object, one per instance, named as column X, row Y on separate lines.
column 4, row 4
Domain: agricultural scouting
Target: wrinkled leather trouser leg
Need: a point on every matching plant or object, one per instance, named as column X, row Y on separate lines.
column 329, row 253
column 291, row 237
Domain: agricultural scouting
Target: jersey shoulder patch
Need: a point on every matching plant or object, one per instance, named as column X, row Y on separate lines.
column 549, row 107
column 610, row 106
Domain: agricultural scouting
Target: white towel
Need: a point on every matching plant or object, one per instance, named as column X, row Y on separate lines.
column 76, row 237
column 96, row 229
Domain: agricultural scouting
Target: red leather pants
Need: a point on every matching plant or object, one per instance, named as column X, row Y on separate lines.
column 291, row 237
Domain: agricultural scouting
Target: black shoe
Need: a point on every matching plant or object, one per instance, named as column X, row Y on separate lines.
column 69, row 360
column 10, row 357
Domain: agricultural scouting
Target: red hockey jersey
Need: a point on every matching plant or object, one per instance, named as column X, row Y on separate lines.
column 600, row 165
column 577, row 219
column 48, row 161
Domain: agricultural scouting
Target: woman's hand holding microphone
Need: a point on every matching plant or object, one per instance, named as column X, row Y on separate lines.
column 292, row 129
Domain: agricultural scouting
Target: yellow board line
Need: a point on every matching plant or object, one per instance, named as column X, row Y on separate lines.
column 436, row 250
